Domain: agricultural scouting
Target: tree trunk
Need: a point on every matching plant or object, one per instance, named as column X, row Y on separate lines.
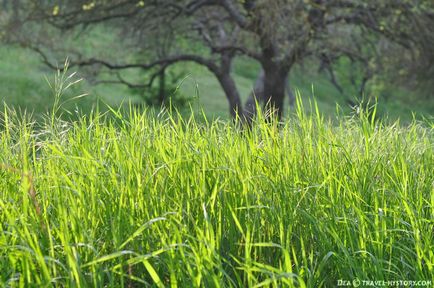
column 257, row 97
column 16, row 8
column 274, row 92
column 232, row 95
column 270, row 89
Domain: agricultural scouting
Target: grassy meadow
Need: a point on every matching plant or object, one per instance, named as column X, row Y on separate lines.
column 97, row 191
column 131, row 198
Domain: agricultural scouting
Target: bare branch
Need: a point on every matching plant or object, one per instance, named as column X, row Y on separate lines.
column 145, row 66
column 235, row 14
column 242, row 50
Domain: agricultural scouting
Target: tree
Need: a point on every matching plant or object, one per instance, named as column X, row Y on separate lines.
column 276, row 33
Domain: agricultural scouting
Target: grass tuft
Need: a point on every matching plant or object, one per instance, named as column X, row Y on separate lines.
column 130, row 198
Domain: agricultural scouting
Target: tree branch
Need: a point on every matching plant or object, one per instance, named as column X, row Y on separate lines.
column 145, row 66
column 234, row 13
column 242, row 50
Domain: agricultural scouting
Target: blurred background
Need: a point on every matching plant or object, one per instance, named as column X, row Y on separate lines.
column 221, row 56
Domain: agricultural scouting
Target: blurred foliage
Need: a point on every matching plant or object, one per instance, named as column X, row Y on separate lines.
column 383, row 42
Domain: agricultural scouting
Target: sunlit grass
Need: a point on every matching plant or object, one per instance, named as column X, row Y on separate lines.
column 130, row 198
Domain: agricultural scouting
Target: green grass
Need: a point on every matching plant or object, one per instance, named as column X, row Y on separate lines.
column 129, row 198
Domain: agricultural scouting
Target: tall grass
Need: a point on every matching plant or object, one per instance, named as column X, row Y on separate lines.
column 127, row 199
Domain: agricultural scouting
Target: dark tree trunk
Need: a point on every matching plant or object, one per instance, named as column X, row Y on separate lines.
column 274, row 91
column 16, row 7
column 256, row 97
column 232, row 95
column 275, row 77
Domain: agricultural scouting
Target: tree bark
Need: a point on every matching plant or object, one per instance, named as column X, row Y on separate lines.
column 16, row 9
column 270, row 89
column 232, row 95
column 256, row 97
column 275, row 76
column 274, row 90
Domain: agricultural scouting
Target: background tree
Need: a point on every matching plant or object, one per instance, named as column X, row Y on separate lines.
column 278, row 34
